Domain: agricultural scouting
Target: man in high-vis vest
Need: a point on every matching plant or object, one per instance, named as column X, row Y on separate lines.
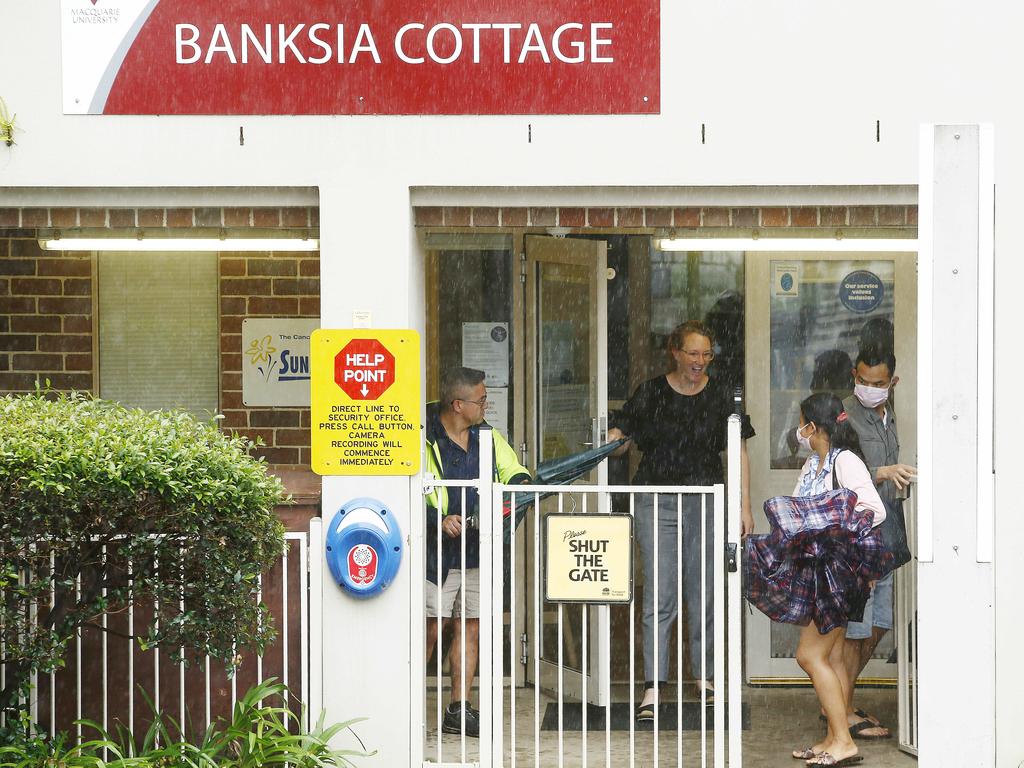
column 453, row 453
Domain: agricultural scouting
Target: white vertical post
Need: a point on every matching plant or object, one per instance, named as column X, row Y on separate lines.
column 734, row 602
column 925, row 343
column 315, row 703
column 986, row 496
column 103, row 592
column 537, row 629
column 719, row 589
column 259, row 656
column 181, row 649
column 131, row 653
column 284, row 616
column 955, row 582
column 78, row 667
column 498, row 629
column 906, row 616
column 488, row 577
column 632, row 655
column 303, row 631
column 703, row 631
column 417, row 621
column 658, row 692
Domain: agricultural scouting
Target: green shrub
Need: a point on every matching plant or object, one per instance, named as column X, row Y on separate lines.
column 150, row 507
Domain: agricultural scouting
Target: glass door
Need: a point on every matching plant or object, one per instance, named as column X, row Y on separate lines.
column 567, row 398
column 807, row 316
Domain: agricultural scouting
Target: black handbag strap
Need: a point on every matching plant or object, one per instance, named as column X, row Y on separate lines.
column 836, row 485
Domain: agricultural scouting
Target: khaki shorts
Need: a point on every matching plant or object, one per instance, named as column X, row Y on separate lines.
column 451, row 595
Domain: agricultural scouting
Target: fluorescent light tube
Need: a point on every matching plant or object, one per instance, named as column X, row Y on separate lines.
column 179, row 244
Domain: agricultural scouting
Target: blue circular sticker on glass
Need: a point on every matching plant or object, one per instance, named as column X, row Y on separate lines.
column 861, row 291
column 786, row 282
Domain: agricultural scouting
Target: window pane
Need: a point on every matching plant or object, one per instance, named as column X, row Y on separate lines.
column 158, row 330
column 820, row 311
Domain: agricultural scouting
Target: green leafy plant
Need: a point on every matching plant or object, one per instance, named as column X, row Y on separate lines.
column 132, row 506
column 7, row 127
column 259, row 734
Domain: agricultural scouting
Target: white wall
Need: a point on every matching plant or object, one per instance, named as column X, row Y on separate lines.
column 789, row 91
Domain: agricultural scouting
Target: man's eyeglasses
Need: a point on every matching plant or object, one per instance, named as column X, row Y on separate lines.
column 698, row 355
column 478, row 403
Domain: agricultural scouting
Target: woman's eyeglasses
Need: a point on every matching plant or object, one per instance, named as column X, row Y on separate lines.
column 695, row 355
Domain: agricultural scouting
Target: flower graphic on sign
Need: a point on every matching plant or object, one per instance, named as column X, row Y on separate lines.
column 260, row 351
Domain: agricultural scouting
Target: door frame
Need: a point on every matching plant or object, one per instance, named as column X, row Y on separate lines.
column 598, row 659
column 760, row 666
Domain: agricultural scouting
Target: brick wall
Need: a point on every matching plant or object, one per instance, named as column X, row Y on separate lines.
column 47, row 310
column 46, row 318
column 684, row 218
column 264, row 285
column 170, row 218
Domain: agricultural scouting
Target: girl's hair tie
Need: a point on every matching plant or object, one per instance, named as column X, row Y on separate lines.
column 841, row 417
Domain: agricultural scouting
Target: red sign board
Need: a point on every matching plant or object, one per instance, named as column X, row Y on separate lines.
column 364, row 369
column 385, row 57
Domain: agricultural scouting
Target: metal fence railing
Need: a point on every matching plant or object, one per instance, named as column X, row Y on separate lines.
column 107, row 677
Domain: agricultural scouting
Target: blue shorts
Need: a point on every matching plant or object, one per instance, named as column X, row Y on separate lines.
column 877, row 612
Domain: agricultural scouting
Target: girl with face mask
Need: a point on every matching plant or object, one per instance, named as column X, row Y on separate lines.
column 822, row 539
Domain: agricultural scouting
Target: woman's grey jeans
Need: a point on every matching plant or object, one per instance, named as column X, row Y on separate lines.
column 668, row 610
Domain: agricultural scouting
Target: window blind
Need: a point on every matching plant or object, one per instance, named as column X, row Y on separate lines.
column 158, row 335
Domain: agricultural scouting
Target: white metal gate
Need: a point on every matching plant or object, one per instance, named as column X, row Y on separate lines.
column 514, row 730
column 103, row 670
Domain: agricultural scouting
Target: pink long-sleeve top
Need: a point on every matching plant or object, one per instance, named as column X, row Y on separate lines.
column 853, row 475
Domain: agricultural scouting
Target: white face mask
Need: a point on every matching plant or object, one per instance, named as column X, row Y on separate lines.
column 800, row 438
column 870, row 397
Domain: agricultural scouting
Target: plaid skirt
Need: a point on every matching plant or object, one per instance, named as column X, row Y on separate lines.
column 816, row 562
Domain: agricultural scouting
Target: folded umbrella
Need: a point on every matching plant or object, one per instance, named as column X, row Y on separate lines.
column 560, row 471
column 816, row 562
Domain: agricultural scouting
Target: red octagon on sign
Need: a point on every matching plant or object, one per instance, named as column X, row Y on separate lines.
column 364, row 369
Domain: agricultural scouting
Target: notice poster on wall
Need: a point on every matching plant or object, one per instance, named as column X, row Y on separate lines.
column 275, row 360
column 485, row 347
column 786, row 278
column 496, row 412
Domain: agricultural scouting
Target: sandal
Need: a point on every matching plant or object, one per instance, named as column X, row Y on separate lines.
column 857, row 731
column 870, row 718
column 645, row 713
column 805, row 754
column 826, row 758
column 708, row 691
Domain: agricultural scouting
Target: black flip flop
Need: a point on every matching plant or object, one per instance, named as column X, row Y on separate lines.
column 857, row 731
column 870, row 718
column 645, row 713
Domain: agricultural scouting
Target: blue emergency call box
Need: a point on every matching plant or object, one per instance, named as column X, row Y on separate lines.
column 364, row 547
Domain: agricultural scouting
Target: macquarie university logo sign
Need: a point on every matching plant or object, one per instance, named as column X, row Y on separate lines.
column 384, row 57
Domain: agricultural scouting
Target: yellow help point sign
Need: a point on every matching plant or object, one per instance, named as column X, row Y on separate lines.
column 365, row 402
column 588, row 558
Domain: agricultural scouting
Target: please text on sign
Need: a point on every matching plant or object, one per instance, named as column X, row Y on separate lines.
column 588, row 558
